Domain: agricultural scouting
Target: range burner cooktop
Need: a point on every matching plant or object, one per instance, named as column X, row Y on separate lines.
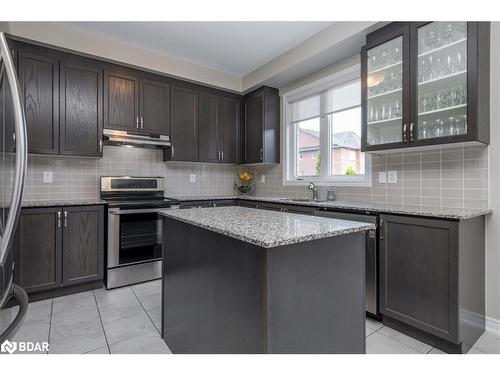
column 133, row 192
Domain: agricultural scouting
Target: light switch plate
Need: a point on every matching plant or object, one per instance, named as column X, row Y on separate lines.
column 47, row 176
column 263, row 179
column 382, row 177
column 192, row 178
column 392, row 177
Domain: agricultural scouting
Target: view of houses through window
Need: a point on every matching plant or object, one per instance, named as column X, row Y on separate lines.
column 338, row 118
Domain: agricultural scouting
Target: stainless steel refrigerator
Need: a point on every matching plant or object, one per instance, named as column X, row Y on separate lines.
column 13, row 155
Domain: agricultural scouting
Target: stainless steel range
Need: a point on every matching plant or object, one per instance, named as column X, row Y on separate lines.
column 134, row 228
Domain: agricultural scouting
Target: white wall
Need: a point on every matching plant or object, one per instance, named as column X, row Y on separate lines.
column 59, row 35
column 493, row 221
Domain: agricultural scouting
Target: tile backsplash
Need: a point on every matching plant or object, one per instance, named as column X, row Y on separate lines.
column 78, row 178
column 446, row 177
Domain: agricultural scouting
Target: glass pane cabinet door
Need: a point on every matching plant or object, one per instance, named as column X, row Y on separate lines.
column 442, row 80
column 385, row 93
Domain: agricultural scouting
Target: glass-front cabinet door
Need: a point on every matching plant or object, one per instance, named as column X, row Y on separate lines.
column 385, row 78
column 441, row 82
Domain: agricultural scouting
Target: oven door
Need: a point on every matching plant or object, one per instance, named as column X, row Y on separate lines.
column 134, row 236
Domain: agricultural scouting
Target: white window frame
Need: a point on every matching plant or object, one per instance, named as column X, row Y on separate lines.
column 289, row 155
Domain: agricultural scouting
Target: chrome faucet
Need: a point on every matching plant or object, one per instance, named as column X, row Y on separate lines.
column 311, row 187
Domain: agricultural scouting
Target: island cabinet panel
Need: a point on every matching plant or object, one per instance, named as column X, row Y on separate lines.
column 225, row 295
column 155, row 107
column 38, row 70
column 83, row 244
column 59, row 248
column 212, row 302
column 80, row 107
column 121, row 100
column 426, row 283
column 184, row 123
column 38, row 249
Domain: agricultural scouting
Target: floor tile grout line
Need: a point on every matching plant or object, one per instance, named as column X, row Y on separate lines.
column 50, row 322
column 140, row 303
column 102, row 324
column 408, row 346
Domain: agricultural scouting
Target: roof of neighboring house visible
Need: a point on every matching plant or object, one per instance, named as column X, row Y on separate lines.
column 346, row 139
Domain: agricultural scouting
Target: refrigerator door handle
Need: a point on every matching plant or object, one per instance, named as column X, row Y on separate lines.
column 21, row 149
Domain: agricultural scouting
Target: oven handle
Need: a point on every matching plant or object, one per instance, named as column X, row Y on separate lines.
column 117, row 211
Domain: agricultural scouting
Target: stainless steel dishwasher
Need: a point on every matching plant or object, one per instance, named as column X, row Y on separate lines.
column 371, row 258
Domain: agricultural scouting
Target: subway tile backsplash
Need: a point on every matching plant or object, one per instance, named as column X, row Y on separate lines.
column 78, row 178
column 447, row 177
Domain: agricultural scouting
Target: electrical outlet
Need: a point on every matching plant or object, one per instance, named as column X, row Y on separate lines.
column 392, row 177
column 263, row 179
column 192, row 178
column 382, row 177
column 47, row 177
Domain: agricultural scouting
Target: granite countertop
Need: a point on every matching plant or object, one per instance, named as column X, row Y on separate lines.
column 186, row 198
column 63, row 202
column 265, row 228
column 397, row 209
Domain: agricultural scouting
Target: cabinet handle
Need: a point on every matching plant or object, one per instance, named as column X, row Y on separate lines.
column 221, row 155
column 137, row 122
column 142, row 122
column 172, row 151
column 261, row 154
column 100, row 146
column 59, row 219
column 218, row 155
column 404, row 133
column 65, row 219
column 411, row 132
column 14, row 140
column 381, row 229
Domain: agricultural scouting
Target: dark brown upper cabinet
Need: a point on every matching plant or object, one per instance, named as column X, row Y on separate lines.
column 183, row 123
column 230, row 130
column 261, row 115
column 121, row 101
column 155, row 107
column 136, row 103
column 425, row 83
column 38, row 70
column 219, row 122
column 80, row 107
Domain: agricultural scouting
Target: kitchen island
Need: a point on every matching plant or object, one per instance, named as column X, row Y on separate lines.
column 242, row 280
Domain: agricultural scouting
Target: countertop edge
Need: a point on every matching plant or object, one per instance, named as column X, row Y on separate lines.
column 267, row 245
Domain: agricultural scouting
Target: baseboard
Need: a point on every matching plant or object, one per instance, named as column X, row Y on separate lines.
column 493, row 325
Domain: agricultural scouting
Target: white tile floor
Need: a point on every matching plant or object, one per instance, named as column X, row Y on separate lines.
column 128, row 320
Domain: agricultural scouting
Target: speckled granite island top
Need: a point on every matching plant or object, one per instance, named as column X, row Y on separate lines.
column 265, row 228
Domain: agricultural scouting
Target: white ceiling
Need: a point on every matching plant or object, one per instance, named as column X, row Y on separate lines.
column 235, row 48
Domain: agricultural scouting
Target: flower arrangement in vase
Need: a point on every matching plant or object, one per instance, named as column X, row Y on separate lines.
column 244, row 185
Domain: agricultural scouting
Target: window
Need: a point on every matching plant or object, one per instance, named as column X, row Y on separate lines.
column 323, row 131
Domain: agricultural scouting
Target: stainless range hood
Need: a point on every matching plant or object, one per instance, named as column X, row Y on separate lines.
column 132, row 139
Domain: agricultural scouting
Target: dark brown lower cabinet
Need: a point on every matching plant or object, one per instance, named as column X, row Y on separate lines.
column 59, row 247
column 39, row 247
column 432, row 282
column 83, row 242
